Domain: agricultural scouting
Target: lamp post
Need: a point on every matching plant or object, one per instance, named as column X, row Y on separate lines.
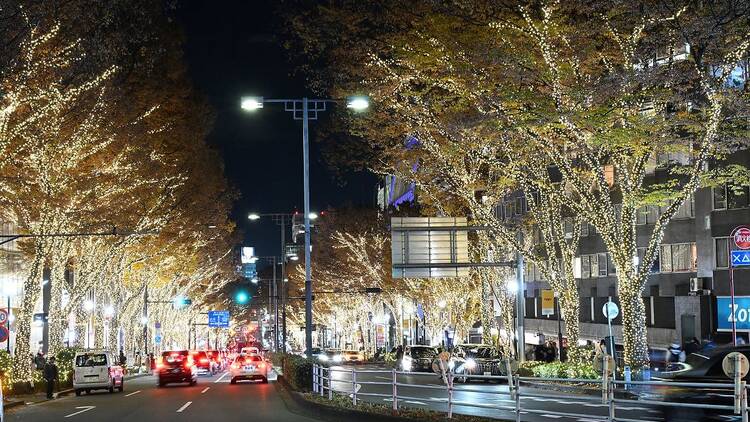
column 282, row 219
column 305, row 109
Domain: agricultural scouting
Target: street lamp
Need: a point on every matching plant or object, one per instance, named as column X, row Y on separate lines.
column 305, row 109
column 109, row 311
column 144, row 320
column 88, row 305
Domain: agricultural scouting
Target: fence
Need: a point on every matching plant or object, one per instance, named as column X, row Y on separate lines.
column 350, row 381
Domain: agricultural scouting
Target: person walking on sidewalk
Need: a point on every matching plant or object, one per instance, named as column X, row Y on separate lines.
column 50, row 375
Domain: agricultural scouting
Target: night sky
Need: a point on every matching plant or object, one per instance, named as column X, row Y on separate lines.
column 232, row 50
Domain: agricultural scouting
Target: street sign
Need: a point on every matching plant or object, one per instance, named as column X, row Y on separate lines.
column 3, row 317
column 728, row 364
column 610, row 310
column 741, row 258
column 548, row 302
column 218, row 319
column 4, row 334
column 157, row 339
column 157, row 325
column 741, row 237
column 741, row 314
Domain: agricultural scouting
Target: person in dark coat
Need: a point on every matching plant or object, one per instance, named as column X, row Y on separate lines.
column 50, row 375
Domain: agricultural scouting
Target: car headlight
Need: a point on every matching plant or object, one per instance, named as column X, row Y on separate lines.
column 337, row 358
column 323, row 358
column 406, row 363
column 451, row 364
column 470, row 364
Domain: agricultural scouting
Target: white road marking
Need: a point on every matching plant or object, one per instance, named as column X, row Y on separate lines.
column 221, row 377
column 415, row 402
column 133, row 393
column 85, row 409
column 205, row 389
column 184, row 406
column 551, row 416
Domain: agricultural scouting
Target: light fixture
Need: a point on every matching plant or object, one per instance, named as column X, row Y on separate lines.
column 109, row 311
column 312, row 216
column 253, row 216
column 294, row 258
column 441, row 304
column 357, row 103
column 512, row 286
column 88, row 305
column 144, row 320
column 251, row 103
column 254, row 280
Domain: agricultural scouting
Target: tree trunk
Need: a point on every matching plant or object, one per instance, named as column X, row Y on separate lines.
column 633, row 325
column 58, row 320
column 21, row 367
column 486, row 312
column 570, row 311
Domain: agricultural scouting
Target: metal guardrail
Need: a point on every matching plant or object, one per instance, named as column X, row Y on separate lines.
column 323, row 383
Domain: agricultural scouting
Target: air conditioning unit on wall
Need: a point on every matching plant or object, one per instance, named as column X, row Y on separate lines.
column 698, row 286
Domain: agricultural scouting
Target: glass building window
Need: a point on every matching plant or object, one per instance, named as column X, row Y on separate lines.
column 585, row 266
column 602, row 264
column 678, row 257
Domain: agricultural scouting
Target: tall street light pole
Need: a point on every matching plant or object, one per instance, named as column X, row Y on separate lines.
column 305, row 109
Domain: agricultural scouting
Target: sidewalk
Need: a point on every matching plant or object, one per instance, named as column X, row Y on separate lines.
column 27, row 399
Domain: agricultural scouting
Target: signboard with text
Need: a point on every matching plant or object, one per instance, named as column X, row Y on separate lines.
column 548, row 302
column 218, row 319
column 741, row 258
column 740, row 313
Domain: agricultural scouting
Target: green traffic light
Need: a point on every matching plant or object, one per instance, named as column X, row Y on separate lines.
column 241, row 297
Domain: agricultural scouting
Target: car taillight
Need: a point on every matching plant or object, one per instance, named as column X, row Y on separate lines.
column 236, row 365
column 262, row 365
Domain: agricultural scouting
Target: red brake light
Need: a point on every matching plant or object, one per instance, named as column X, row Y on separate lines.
column 262, row 365
column 236, row 365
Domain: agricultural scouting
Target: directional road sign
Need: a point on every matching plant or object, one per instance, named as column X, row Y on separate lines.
column 219, row 319
column 741, row 258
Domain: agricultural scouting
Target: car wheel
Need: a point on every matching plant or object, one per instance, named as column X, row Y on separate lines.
column 88, row 391
column 122, row 386
column 111, row 388
column 160, row 384
column 233, row 381
column 194, row 382
column 265, row 380
column 78, row 392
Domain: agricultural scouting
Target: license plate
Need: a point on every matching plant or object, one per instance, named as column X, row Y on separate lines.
column 487, row 373
column 174, row 371
column 249, row 368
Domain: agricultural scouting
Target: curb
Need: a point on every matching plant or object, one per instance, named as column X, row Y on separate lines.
column 298, row 404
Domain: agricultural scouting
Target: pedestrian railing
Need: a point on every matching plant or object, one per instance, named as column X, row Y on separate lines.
column 516, row 400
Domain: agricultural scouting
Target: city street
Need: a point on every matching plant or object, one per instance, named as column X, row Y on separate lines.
column 493, row 394
column 214, row 398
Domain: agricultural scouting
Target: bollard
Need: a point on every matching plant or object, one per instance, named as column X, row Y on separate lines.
column 517, row 382
column 330, row 385
column 737, row 386
column 322, row 381
column 743, row 404
column 450, row 395
column 395, row 391
column 510, row 378
column 315, row 378
column 605, row 379
column 354, row 387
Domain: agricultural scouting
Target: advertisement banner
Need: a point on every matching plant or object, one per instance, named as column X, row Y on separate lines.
column 548, row 302
column 740, row 313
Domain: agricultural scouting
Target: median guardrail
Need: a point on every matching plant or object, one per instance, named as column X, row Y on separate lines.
column 339, row 380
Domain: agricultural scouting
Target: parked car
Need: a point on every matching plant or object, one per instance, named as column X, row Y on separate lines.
column 249, row 367
column 476, row 359
column 703, row 366
column 97, row 370
column 418, row 358
column 176, row 366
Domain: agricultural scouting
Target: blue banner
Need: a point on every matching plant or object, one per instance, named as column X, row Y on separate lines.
column 741, row 258
column 741, row 313
column 218, row 319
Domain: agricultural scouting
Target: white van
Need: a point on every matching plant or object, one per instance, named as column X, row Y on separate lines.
column 96, row 370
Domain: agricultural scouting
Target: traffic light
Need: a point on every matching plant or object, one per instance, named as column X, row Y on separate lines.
column 181, row 302
column 241, row 297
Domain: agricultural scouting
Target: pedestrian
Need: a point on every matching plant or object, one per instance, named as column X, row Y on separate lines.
column 151, row 362
column 39, row 361
column 676, row 354
column 399, row 353
column 137, row 362
column 122, row 357
column 50, row 375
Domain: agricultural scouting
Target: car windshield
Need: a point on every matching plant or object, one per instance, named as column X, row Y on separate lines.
column 695, row 359
column 91, row 359
column 423, row 352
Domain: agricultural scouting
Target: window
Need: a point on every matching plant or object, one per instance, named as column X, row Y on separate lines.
column 611, row 265
column 686, row 210
column 508, row 210
column 602, row 264
column 678, row 257
column 640, row 218
column 584, row 229
column 720, row 198
column 594, row 265
column 647, row 214
column 519, row 205
column 656, row 267
column 585, row 266
column 721, row 254
column 568, row 227
column 618, row 212
column 731, row 197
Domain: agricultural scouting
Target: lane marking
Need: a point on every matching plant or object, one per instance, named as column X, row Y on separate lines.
column 205, row 389
column 184, row 406
column 85, row 409
column 551, row 416
column 133, row 393
column 221, row 377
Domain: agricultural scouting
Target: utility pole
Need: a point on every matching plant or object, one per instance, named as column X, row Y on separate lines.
column 145, row 320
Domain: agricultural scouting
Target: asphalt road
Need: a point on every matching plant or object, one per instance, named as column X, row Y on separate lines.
column 213, row 399
column 540, row 403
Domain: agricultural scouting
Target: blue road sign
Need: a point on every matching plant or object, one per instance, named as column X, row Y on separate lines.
column 219, row 319
column 741, row 258
column 741, row 313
